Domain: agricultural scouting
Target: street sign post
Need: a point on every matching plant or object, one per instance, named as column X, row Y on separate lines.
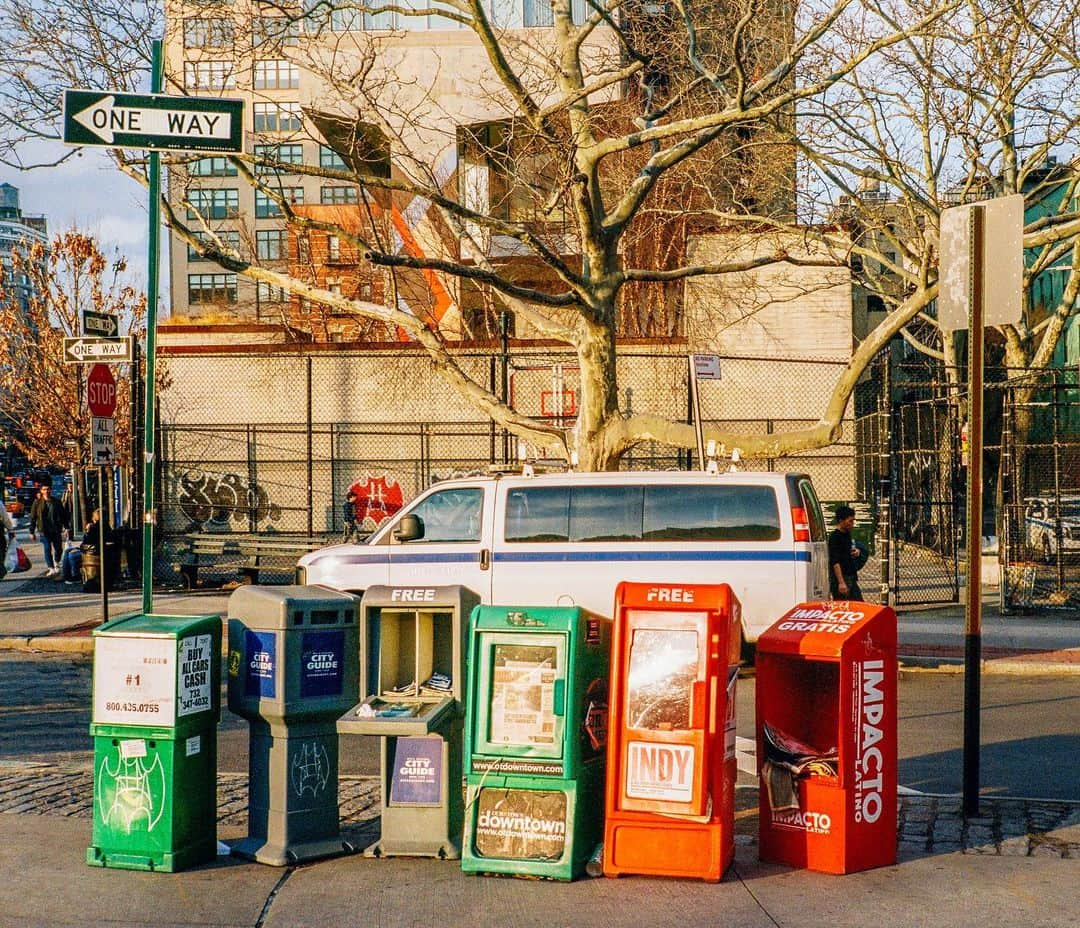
column 92, row 350
column 156, row 122
column 104, row 324
column 102, row 440
column 101, row 391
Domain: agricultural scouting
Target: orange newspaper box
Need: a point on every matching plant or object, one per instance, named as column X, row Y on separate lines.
column 826, row 737
column 670, row 792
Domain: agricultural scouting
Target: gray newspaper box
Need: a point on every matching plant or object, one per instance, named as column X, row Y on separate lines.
column 292, row 670
column 412, row 688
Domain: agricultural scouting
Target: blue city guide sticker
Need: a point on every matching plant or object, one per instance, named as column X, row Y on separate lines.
column 322, row 662
column 260, row 672
column 417, row 777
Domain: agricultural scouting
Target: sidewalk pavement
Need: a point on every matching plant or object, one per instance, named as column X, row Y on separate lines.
column 43, row 614
column 1016, row 865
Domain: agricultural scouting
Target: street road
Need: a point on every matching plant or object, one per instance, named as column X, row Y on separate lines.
column 1030, row 727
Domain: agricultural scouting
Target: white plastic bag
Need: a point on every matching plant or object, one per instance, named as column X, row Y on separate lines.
column 11, row 562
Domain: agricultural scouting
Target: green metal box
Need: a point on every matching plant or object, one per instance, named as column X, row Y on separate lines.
column 535, row 738
column 156, row 705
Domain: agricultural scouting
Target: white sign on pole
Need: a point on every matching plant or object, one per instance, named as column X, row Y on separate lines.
column 707, row 366
column 102, row 439
column 1002, row 262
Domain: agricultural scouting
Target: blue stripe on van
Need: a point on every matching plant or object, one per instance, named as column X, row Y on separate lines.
column 518, row 557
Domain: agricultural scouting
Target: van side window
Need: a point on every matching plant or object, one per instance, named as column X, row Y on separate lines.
column 605, row 513
column 538, row 514
column 451, row 515
column 728, row 512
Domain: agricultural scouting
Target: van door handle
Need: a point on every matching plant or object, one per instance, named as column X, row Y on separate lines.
column 485, row 559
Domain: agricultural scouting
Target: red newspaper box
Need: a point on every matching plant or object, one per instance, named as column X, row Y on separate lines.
column 826, row 737
column 670, row 792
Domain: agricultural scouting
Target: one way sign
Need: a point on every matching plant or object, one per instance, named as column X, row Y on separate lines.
column 153, row 121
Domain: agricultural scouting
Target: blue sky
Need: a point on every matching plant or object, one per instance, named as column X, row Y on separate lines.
column 88, row 193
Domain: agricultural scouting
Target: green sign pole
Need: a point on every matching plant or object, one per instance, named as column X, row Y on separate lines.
column 151, row 354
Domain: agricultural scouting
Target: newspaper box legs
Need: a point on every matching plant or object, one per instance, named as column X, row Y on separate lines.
column 156, row 706
column 670, row 801
column 535, row 731
column 292, row 672
column 412, row 688
column 826, row 737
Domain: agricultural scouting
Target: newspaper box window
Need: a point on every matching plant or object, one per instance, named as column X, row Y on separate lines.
column 826, row 737
column 671, row 758
column 536, row 728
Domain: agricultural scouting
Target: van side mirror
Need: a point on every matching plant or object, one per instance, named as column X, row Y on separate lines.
column 409, row 528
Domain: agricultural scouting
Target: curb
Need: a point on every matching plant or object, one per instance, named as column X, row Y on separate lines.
column 70, row 644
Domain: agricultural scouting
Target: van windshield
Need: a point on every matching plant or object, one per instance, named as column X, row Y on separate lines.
column 636, row 513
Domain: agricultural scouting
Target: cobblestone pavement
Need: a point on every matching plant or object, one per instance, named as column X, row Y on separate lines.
column 927, row 824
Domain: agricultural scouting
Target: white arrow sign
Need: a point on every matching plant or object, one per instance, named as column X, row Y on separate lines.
column 85, row 350
column 102, row 436
column 104, row 118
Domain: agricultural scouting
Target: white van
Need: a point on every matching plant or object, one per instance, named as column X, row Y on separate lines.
column 569, row 539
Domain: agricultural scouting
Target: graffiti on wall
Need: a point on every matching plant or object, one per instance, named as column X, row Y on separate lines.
column 220, row 499
column 377, row 499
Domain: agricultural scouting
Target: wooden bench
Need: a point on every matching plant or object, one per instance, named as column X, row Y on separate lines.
column 257, row 550
column 203, row 551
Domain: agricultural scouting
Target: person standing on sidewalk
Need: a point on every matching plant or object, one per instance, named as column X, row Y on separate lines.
column 844, row 558
column 7, row 535
column 48, row 519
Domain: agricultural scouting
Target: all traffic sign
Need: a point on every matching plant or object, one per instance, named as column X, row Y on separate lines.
column 153, row 121
column 91, row 350
column 101, row 391
column 102, row 440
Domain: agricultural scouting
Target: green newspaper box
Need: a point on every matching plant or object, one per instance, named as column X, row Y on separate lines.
column 536, row 724
column 156, row 705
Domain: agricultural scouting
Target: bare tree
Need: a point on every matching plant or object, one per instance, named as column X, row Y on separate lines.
column 563, row 175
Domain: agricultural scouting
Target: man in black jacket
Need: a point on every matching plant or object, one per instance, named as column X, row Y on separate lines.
column 49, row 519
column 844, row 558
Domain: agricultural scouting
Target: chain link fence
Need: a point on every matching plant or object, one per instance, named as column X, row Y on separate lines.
column 267, row 445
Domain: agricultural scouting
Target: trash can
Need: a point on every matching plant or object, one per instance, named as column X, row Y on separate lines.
column 412, row 680
column 826, row 737
column 535, row 734
column 156, row 705
column 670, row 798
column 292, row 671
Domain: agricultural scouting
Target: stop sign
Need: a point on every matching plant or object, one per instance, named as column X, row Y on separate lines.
column 101, row 391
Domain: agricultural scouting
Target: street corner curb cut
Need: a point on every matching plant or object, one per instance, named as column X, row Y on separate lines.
column 70, row 644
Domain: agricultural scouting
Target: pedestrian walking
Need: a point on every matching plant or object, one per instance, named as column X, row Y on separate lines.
column 845, row 559
column 7, row 536
column 348, row 516
column 48, row 519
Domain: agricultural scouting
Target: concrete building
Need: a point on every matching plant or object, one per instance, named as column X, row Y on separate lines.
column 18, row 231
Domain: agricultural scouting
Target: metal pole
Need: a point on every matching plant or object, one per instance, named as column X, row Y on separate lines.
column 101, row 545
column 310, row 453
column 695, row 401
column 149, row 516
column 973, row 602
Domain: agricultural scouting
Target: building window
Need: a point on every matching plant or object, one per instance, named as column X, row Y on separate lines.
column 283, row 154
column 212, row 167
column 266, row 207
column 270, row 244
column 538, row 13
column 274, row 32
column 338, row 195
column 303, row 248
column 208, row 75
column 230, row 238
column 265, row 293
column 222, row 203
column 206, row 289
column 276, row 74
column 208, row 32
column 333, row 248
column 328, row 158
column 277, row 117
